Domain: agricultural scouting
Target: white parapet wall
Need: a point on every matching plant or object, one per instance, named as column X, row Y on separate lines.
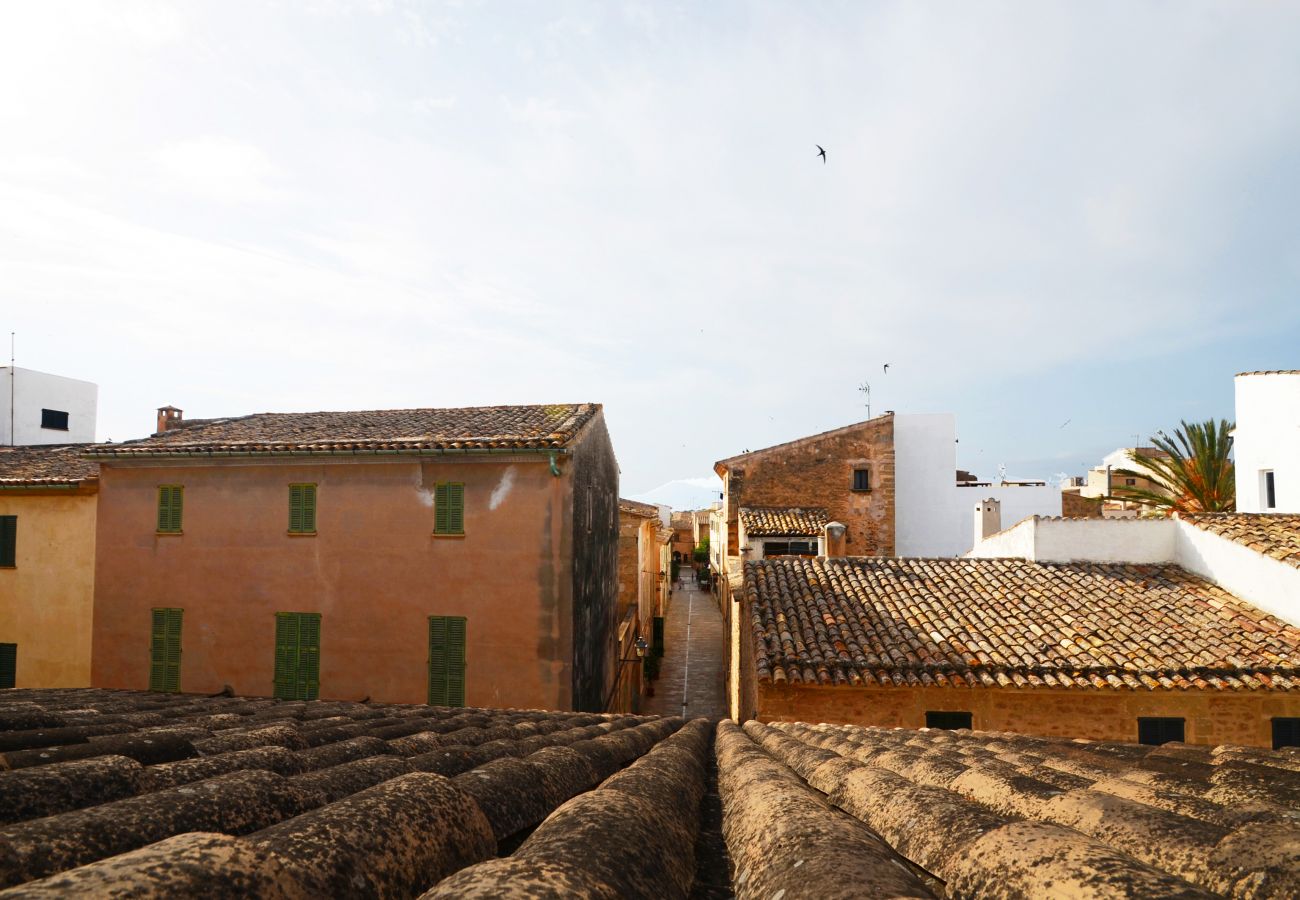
column 1267, row 440
column 1264, row 582
column 22, row 421
column 932, row 514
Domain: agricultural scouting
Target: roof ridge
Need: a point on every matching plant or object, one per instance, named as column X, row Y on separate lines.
column 807, row 437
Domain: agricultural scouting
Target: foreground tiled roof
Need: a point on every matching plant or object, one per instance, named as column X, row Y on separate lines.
column 1271, row 534
column 637, row 508
column 1271, row 372
column 469, row 428
column 812, row 811
column 1009, row 623
column 783, row 520
column 127, row 794
column 46, row 465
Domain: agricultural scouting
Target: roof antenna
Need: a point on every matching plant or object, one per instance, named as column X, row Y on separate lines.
column 12, row 375
column 865, row 388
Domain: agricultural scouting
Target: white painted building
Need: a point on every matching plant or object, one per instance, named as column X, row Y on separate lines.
column 1201, row 544
column 1266, row 442
column 932, row 512
column 38, row 408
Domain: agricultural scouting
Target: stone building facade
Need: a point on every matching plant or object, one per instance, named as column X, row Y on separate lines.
column 848, row 472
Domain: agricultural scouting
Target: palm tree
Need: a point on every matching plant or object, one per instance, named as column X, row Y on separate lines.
column 1194, row 474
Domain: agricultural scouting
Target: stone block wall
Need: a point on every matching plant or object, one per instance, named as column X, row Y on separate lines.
column 1212, row 717
column 818, row 471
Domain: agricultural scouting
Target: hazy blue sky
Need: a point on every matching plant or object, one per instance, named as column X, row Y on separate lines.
column 1035, row 212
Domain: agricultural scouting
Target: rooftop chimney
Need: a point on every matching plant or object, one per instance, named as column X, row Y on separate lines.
column 833, row 541
column 988, row 518
column 169, row 417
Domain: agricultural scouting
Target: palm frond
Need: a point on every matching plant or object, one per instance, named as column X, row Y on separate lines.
column 1194, row 475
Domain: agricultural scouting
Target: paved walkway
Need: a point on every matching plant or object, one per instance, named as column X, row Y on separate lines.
column 692, row 676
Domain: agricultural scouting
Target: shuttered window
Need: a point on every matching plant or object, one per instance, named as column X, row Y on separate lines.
column 297, row 655
column 165, row 650
column 447, row 660
column 449, row 508
column 948, row 720
column 302, row 509
column 1286, row 731
column 1160, row 729
column 8, row 542
column 8, row 665
column 170, row 501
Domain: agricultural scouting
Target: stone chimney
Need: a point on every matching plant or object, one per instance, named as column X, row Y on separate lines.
column 833, row 540
column 169, row 417
column 988, row 518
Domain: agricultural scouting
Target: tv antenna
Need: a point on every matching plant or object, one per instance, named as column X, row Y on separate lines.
column 866, row 389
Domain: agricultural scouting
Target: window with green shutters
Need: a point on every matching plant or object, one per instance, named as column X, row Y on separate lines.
column 447, row 660
column 165, row 650
column 170, row 500
column 297, row 655
column 8, row 542
column 302, row 509
column 449, row 507
column 9, row 665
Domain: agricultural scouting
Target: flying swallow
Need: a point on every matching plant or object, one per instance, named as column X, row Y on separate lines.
column 821, row 153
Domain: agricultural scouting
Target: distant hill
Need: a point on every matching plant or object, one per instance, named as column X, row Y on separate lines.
column 684, row 493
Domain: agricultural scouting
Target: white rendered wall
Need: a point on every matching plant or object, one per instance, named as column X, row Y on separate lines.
column 1133, row 541
column 34, row 391
column 1263, row 581
column 1267, row 437
column 932, row 515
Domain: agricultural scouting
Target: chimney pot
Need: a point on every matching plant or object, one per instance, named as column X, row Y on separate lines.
column 169, row 417
column 988, row 518
column 833, row 540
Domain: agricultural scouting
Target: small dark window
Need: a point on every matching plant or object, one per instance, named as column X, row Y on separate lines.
column 948, row 720
column 861, row 479
column 8, row 542
column 1270, row 491
column 9, row 665
column 803, row 548
column 1286, row 733
column 1130, row 481
column 775, row 548
column 54, row 419
column 1159, row 730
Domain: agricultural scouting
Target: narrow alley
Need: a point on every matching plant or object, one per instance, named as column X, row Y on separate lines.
column 692, row 677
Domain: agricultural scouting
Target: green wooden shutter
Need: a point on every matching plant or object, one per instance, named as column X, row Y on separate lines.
column 455, row 660
column 302, row 508
column 8, row 541
column 297, row 656
column 456, row 514
column 9, row 665
column 295, row 507
column 447, row 660
column 286, row 655
column 309, row 656
column 309, row 507
column 170, row 498
column 442, row 508
column 165, row 650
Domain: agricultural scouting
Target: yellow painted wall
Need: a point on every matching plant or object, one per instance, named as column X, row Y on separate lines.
column 46, row 600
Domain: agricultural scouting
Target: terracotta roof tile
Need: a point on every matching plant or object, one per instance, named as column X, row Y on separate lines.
column 469, row 428
column 637, row 508
column 120, row 792
column 997, row 622
column 45, row 465
column 993, row 813
column 783, row 520
column 1274, row 535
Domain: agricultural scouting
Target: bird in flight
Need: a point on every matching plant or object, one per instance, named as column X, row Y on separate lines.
column 1066, row 422
column 886, row 368
column 821, row 153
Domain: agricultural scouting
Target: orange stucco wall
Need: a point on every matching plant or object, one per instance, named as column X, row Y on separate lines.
column 374, row 571
column 46, row 598
column 1211, row 717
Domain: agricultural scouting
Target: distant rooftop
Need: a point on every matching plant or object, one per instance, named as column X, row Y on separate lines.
column 1275, row 535
column 467, row 428
column 46, row 465
column 794, row 521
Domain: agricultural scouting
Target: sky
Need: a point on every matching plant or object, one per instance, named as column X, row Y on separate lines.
column 1069, row 224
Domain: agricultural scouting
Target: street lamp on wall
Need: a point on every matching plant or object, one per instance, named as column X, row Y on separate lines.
column 641, row 646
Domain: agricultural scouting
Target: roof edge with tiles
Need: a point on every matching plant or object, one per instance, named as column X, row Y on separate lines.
column 723, row 464
column 200, row 440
